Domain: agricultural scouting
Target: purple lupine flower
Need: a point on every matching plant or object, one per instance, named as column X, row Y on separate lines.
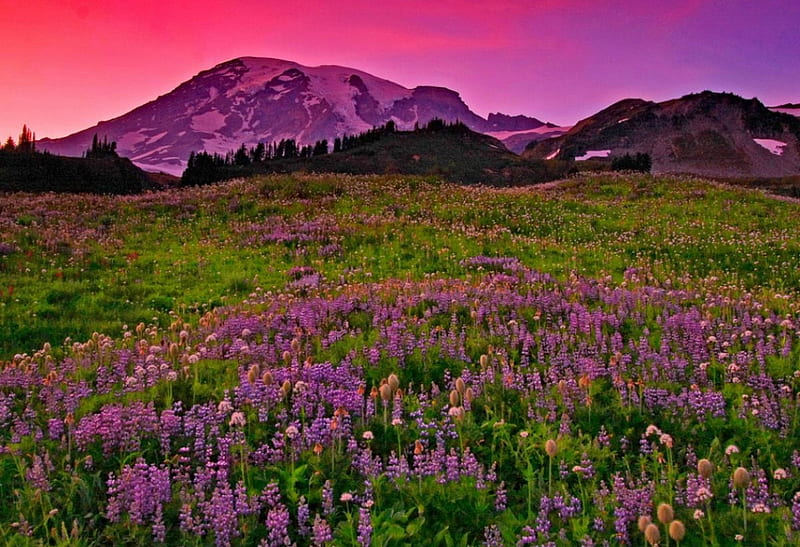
column 492, row 536
column 37, row 474
column 303, row 515
column 364, row 524
column 698, row 491
column 586, row 468
column 603, row 438
column 159, row 530
column 278, row 521
column 527, row 536
column 220, row 514
column 757, row 493
column 327, row 498
column 500, row 497
column 321, row 533
column 140, row 490
column 796, row 512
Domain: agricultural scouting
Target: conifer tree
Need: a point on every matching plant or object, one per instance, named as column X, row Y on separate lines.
column 27, row 142
column 102, row 149
column 320, row 148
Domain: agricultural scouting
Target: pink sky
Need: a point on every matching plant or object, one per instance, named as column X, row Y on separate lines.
column 69, row 64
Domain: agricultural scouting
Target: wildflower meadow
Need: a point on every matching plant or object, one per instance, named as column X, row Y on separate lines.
column 337, row 360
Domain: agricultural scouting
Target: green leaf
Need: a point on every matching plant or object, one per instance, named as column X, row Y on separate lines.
column 415, row 525
column 396, row 531
column 443, row 536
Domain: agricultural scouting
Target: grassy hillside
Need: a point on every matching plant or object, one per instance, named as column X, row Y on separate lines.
column 388, row 360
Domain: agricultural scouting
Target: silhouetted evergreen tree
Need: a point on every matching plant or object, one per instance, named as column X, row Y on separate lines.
column 241, row 157
column 204, row 168
column 435, row 124
column 9, row 146
column 320, row 148
column 27, row 141
column 258, row 153
column 102, row 149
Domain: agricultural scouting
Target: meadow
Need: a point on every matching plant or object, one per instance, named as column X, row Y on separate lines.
column 340, row 360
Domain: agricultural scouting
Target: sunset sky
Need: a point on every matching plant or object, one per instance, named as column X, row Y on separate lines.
column 69, row 64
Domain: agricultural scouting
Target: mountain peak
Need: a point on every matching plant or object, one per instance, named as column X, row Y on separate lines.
column 247, row 100
column 513, row 123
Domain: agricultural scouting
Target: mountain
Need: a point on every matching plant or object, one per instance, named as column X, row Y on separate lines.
column 250, row 100
column 708, row 134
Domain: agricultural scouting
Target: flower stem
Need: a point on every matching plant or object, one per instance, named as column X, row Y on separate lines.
column 711, row 523
column 744, row 511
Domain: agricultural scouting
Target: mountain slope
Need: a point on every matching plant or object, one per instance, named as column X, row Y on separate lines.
column 250, row 100
column 711, row 134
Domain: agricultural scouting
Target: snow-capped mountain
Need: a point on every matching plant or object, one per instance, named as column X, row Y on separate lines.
column 250, row 100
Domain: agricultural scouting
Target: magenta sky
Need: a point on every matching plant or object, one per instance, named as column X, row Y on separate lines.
column 69, row 64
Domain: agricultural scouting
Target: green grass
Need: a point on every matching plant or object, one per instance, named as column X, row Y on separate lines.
column 97, row 263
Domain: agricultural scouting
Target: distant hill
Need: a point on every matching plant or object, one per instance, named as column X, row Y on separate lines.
column 788, row 108
column 708, row 134
column 44, row 172
column 250, row 100
column 520, row 140
column 450, row 151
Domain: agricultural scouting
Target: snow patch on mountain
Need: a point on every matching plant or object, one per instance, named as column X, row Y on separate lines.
column 593, row 154
column 774, row 146
column 208, row 122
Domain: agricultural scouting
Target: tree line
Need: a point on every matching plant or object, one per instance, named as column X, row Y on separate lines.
column 99, row 170
column 26, row 144
column 204, row 167
column 101, row 149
